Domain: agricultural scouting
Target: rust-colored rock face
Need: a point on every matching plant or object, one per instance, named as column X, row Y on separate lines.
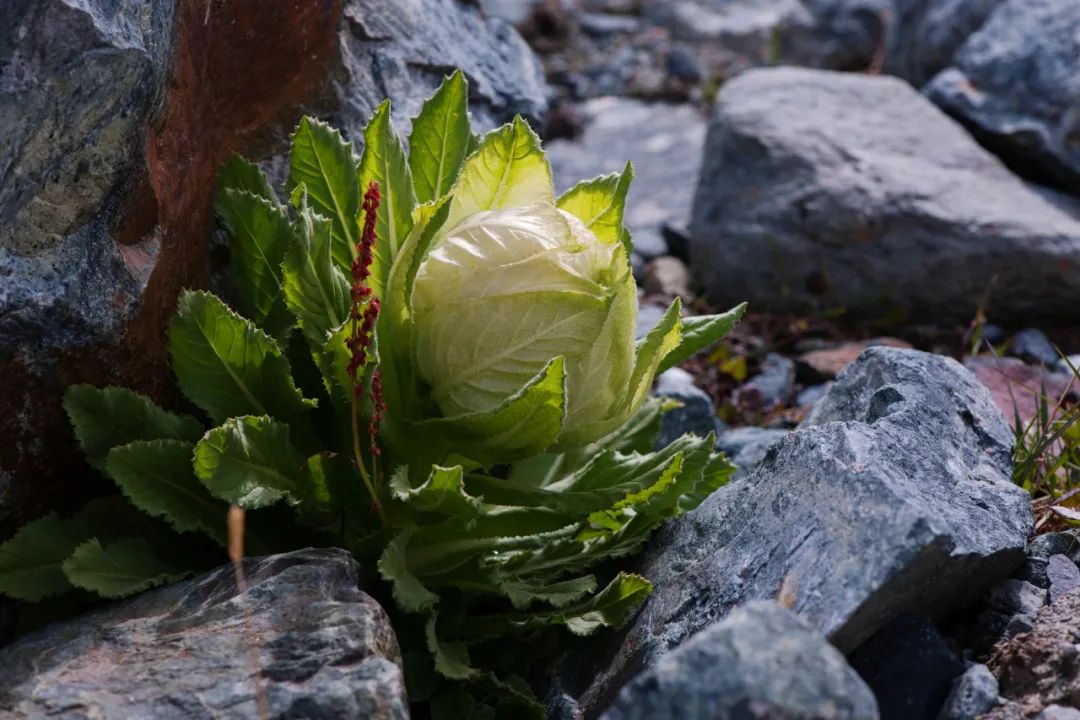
column 233, row 77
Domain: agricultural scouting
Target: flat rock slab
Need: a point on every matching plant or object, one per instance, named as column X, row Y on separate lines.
column 759, row 663
column 325, row 649
column 1014, row 83
column 824, row 190
column 663, row 141
column 895, row 496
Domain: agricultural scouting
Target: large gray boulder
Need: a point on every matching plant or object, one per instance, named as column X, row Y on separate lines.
column 115, row 117
column 895, row 496
column 925, row 34
column 760, row 662
column 826, row 190
column 324, row 650
column 1016, row 84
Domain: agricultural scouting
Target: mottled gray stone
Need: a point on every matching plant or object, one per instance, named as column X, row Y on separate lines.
column 1042, row 548
column 1016, row 596
column 895, row 496
column 747, row 446
column 1063, row 575
column 774, row 385
column 1016, row 84
column 925, row 34
column 760, row 663
column 804, row 203
column 1032, row 345
column 1059, row 712
column 972, row 694
column 697, row 414
column 78, row 83
column 403, row 50
column 835, row 34
column 325, row 650
column 664, row 143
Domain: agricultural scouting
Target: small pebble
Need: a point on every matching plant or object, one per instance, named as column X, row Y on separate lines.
column 1063, row 575
column 1032, row 345
column 973, row 693
column 1019, row 623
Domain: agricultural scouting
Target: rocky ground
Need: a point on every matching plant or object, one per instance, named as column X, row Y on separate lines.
column 893, row 185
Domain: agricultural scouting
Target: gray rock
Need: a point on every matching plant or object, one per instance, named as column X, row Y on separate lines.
column 324, row 648
column 404, row 50
column 663, row 141
column 1014, row 83
column 747, row 446
column 925, row 34
column 512, row 11
column 697, row 414
column 1019, row 623
column 973, row 693
column 804, row 203
column 1068, row 364
column 1059, row 712
column 895, row 496
column 1032, row 345
column 1042, row 548
column 1016, row 596
column 808, row 397
column 602, row 24
column 836, row 34
column 760, row 662
column 773, row 386
column 78, row 82
column 1063, row 575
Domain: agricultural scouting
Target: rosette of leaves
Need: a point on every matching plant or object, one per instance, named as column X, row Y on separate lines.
column 429, row 360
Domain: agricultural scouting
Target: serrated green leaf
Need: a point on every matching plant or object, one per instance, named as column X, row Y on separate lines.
column 409, row 592
column 440, row 139
column 249, row 461
column 157, row 477
column 226, row 365
column 525, row 424
column 508, row 169
column 104, row 418
column 384, row 162
column 523, row 593
column 600, row 203
column 699, row 333
column 316, row 291
column 260, row 234
column 241, row 174
column 451, row 658
column 611, row 607
column 119, row 568
column 324, row 164
column 31, row 562
column 660, row 341
column 443, row 493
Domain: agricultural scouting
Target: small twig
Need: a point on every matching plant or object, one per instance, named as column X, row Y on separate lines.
column 236, row 554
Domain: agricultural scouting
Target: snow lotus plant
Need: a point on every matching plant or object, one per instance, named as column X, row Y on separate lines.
column 430, row 360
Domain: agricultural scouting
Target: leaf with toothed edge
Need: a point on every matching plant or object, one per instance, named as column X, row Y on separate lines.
column 440, row 139
column 700, row 332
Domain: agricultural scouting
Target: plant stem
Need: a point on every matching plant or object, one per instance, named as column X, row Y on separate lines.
column 375, row 502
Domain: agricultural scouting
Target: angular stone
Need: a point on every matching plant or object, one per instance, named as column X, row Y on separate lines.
column 760, row 662
column 404, row 50
column 663, row 141
column 826, row 363
column 1063, row 575
column 806, row 204
column 1032, row 345
column 1014, row 84
column 324, row 650
column 1044, row 546
column 973, row 693
column 835, row 34
column 697, row 414
column 925, row 34
column 895, row 496
column 1016, row 596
